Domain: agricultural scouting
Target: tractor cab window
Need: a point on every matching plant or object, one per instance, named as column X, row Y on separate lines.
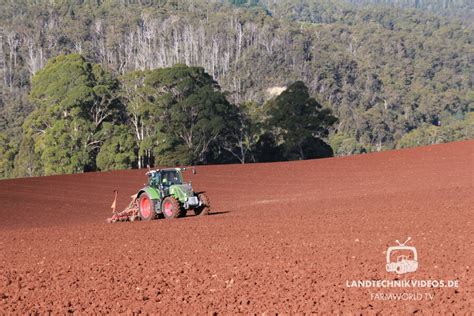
column 171, row 177
column 154, row 179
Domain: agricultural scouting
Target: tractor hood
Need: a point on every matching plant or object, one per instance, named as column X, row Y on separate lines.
column 181, row 191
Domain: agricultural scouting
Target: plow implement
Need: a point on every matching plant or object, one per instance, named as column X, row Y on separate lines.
column 130, row 213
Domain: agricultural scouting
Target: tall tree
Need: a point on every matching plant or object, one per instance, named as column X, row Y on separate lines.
column 144, row 113
column 242, row 142
column 72, row 99
column 177, row 114
column 299, row 123
column 196, row 117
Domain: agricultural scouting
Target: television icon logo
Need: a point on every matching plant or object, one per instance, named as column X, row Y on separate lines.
column 403, row 263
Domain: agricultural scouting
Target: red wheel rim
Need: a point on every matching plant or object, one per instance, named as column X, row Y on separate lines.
column 145, row 207
column 168, row 208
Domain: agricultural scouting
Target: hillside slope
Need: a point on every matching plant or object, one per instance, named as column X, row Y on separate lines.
column 284, row 237
column 383, row 71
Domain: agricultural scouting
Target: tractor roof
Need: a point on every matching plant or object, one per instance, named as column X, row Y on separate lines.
column 165, row 169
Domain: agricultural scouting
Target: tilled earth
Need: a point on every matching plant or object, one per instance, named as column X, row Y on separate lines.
column 283, row 237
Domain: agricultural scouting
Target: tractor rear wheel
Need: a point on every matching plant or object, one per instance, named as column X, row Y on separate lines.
column 171, row 208
column 146, row 208
column 205, row 207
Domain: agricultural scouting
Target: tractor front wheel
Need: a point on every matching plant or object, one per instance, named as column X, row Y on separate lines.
column 205, row 207
column 171, row 208
column 146, row 207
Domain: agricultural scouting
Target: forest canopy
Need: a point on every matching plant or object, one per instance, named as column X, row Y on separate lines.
column 87, row 119
column 394, row 74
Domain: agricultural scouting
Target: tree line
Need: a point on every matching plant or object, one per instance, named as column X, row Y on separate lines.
column 385, row 72
column 86, row 119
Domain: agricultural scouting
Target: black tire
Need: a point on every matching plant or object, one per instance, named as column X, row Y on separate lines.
column 171, row 208
column 146, row 207
column 205, row 208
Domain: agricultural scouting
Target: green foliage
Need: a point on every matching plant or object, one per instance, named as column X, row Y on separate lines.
column 267, row 149
column 384, row 70
column 144, row 110
column 299, row 122
column 241, row 142
column 27, row 162
column 344, row 145
column 178, row 114
column 63, row 147
column 7, row 155
column 431, row 134
column 117, row 152
column 72, row 99
column 196, row 114
column 64, row 86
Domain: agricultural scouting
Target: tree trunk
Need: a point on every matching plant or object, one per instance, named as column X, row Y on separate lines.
column 300, row 149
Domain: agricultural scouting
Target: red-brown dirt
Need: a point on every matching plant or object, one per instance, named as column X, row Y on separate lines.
column 284, row 237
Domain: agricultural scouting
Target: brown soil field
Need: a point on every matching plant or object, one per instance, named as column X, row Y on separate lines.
column 282, row 238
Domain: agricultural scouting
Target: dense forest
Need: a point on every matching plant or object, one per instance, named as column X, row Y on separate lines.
column 394, row 73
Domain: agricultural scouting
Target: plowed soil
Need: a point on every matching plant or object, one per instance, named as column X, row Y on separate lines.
column 283, row 237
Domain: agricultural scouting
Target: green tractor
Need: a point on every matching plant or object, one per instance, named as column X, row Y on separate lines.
column 166, row 195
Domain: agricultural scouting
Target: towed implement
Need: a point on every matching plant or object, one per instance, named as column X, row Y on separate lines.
column 165, row 195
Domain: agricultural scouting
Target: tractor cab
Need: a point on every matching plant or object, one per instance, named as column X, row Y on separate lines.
column 164, row 178
column 171, row 177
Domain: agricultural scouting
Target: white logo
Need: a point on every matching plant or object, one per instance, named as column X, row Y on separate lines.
column 404, row 262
